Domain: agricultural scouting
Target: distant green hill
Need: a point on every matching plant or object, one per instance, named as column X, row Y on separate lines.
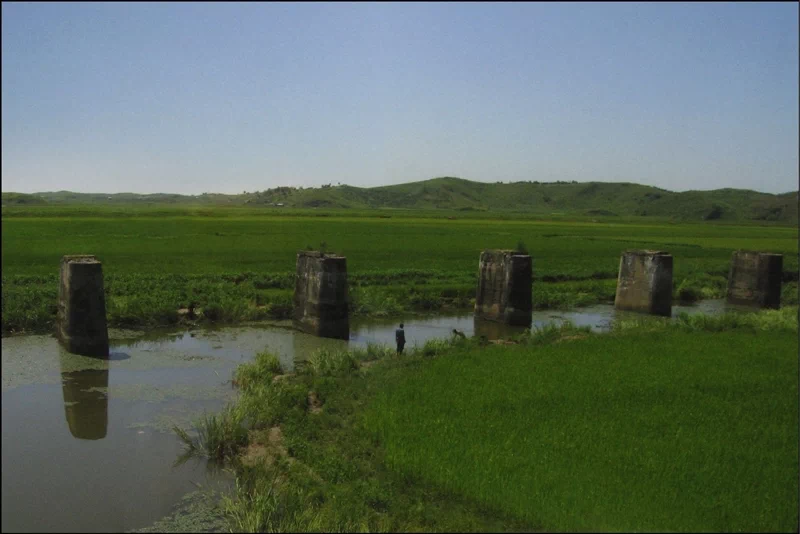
column 592, row 198
column 17, row 199
column 600, row 199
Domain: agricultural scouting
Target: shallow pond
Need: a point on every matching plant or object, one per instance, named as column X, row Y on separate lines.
column 87, row 444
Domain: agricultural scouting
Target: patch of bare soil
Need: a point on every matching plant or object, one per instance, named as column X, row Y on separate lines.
column 314, row 404
column 278, row 378
column 265, row 446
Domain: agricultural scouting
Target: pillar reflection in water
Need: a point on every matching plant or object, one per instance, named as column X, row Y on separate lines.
column 496, row 330
column 304, row 345
column 85, row 399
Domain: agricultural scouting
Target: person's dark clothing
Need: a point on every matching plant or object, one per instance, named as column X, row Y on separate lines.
column 400, row 337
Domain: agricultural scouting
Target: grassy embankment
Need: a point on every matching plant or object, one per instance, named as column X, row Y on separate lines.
column 234, row 265
column 657, row 426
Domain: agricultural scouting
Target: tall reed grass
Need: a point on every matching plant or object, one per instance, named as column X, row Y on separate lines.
column 219, row 436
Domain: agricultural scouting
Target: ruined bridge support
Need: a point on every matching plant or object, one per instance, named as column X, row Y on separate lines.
column 755, row 279
column 81, row 322
column 644, row 283
column 320, row 295
column 504, row 287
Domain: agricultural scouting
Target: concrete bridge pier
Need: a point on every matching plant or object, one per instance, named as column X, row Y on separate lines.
column 320, row 295
column 81, row 321
column 644, row 283
column 755, row 279
column 504, row 287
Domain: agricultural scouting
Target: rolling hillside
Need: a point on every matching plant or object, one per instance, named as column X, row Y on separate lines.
column 600, row 199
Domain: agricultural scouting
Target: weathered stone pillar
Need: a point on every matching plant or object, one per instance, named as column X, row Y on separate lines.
column 320, row 295
column 645, row 282
column 504, row 287
column 755, row 279
column 85, row 400
column 82, row 327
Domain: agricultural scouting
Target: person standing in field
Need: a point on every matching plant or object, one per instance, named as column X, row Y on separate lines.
column 400, row 337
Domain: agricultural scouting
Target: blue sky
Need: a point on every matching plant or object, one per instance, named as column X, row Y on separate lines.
column 205, row 97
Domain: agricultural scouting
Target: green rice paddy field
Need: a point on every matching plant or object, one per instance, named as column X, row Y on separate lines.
column 687, row 425
column 234, row 264
column 592, row 435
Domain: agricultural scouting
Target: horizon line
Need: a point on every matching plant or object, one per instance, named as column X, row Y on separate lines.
column 331, row 185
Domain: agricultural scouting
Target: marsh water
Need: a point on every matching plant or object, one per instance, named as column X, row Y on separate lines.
column 87, row 444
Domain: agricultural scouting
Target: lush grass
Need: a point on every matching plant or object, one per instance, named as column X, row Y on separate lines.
column 192, row 244
column 687, row 425
column 762, row 321
column 236, row 265
column 218, row 436
column 330, row 362
column 333, row 478
column 647, row 431
column 262, row 369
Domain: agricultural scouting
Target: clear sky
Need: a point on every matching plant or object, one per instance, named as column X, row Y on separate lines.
column 205, row 97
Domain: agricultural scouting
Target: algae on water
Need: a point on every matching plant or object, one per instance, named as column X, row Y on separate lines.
column 197, row 511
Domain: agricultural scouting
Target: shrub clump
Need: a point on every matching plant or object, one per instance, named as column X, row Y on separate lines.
column 330, row 362
column 261, row 370
column 219, row 436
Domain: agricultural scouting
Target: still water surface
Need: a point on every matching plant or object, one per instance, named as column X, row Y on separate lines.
column 87, row 444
